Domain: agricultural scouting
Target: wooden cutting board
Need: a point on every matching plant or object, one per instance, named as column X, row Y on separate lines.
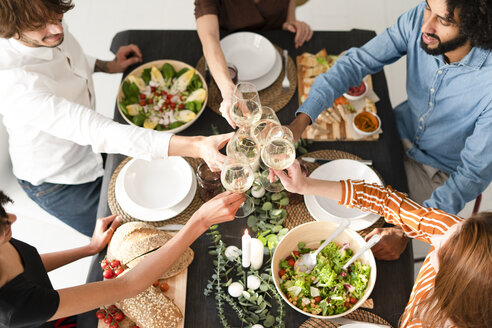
column 176, row 292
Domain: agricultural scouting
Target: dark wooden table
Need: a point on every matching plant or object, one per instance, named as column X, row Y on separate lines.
column 395, row 279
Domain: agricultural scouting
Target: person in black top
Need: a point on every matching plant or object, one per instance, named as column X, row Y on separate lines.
column 27, row 298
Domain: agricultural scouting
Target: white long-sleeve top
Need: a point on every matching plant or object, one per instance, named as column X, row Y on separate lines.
column 47, row 102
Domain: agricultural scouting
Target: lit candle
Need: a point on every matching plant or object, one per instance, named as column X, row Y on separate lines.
column 246, row 249
column 256, row 254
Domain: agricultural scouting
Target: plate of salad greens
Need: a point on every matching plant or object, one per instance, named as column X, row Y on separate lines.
column 327, row 291
column 163, row 95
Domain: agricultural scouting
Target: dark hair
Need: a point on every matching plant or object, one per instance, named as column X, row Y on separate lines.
column 18, row 16
column 475, row 17
column 4, row 199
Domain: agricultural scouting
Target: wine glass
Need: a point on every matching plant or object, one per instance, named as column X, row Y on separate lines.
column 278, row 153
column 244, row 143
column 268, row 120
column 237, row 176
column 246, row 107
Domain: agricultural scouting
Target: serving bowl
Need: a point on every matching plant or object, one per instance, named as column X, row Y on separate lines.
column 358, row 96
column 177, row 65
column 360, row 121
column 312, row 233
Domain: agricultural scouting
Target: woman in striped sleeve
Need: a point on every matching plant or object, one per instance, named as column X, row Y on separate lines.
column 453, row 287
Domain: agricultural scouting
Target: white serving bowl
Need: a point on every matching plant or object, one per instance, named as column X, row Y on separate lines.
column 312, row 233
column 157, row 184
column 352, row 98
column 366, row 133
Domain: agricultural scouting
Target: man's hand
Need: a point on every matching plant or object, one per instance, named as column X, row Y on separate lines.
column 125, row 56
column 299, row 124
column 103, row 232
column 209, row 147
column 393, row 242
column 302, row 30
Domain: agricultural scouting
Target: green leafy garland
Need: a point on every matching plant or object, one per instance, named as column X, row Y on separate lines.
column 253, row 306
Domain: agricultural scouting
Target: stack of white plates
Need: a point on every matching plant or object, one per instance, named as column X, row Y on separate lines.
column 325, row 209
column 155, row 190
column 255, row 58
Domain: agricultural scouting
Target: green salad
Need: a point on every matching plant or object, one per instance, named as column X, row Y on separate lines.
column 162, row 98
column 327, row 290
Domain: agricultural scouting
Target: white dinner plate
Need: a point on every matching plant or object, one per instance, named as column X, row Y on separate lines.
column 146, row 214
column 157, row 184
column 251, row 53
column 325, row 209
column 267, row 80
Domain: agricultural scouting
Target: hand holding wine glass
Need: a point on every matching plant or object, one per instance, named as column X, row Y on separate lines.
column 246, row 107
column 237, row 176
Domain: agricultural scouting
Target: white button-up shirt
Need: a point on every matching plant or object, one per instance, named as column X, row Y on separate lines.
column 47, row 103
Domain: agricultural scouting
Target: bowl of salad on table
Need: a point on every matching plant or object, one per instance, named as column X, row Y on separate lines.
column 163, row 95
column 327, row 291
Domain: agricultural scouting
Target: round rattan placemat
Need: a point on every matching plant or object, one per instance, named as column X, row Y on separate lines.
column 274, row 96
column 181, row 218
column 358, row 315
column 297, row 212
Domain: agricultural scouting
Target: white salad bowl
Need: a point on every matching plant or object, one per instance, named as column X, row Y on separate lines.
column 177, row 65
column 312, row 233
column 157, row 184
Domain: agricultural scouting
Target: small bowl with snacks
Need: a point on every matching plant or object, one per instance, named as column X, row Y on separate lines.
column 327, row 291
column 163, row 95
column 357, row 92
column 366, row 123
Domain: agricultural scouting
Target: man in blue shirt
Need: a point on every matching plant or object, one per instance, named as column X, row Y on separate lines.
column 446, row 123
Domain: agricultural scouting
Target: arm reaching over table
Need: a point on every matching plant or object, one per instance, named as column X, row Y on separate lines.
column 125, row 57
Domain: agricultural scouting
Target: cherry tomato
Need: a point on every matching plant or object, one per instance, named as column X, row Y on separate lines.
column 143, row 102
column 150, row 101
column 173, row 105
column 104, row 264
column 112, row 309
column 167, row 101
column 119, row 270
column 153, row 89
column 108, row 319
column 101, row 314
column 163, row 93
column 289, row 257
column 169, row 96
column 142, row 96
column 115, row 263
column 108, row 273
column 164, row 287
column 114, row 324
column 118, row 316
column 353, row 300
column 296, row 253
column 156, row 283
column 281, row 273
column 181, row 106
column 347, row 305
column 317, row 299
column 291, row 262
column 181, row 97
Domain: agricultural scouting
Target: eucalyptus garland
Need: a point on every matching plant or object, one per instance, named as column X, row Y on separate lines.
column 252, row 306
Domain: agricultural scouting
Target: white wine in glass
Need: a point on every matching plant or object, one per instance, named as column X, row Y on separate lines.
column 243, row 143
column 237, row 176
column 246, row 106
column 278, row 154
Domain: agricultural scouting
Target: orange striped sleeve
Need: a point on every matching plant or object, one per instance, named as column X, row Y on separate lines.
column 417, row 221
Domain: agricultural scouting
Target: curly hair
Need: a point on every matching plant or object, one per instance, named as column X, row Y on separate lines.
column 18, row 16
column 4, row 199
column 475, row 18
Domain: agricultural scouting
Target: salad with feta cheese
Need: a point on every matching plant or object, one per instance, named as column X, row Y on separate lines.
column 162, row 96
column 327, row 289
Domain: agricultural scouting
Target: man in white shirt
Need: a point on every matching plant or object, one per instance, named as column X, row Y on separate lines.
column 47, row 103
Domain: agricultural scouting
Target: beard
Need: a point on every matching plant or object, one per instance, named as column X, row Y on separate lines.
column 443, row 47
column 35, row 43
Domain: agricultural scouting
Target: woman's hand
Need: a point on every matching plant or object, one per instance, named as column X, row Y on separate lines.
column 295, row 181
column 221, row 208
column 103, row 232
column 302, row 30
column 209, row 150
column 226, row 104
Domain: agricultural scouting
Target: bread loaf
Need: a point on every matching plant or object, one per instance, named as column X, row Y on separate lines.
column 140, row 242
column 121, row 232
column 181, row 263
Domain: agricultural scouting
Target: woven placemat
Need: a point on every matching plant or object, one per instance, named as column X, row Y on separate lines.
column 297, row 212
column 181, row 218
column 358, row 315
column 274, row 96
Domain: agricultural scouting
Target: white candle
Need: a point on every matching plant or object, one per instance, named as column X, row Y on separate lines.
column 246, row 249
column 256, row 254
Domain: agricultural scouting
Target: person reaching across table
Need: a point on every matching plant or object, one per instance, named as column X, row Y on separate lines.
column 232, row 15
column 27, row 298
column 47, row 102
column 453, row 287
column 446, row 123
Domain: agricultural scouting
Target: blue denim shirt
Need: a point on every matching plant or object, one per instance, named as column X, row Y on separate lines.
column 448, row 114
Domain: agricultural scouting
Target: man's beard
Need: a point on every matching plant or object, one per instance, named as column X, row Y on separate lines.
column 443, row 47
column 35, row 43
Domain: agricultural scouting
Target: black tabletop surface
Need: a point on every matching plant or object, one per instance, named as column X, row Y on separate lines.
column 394, row 279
